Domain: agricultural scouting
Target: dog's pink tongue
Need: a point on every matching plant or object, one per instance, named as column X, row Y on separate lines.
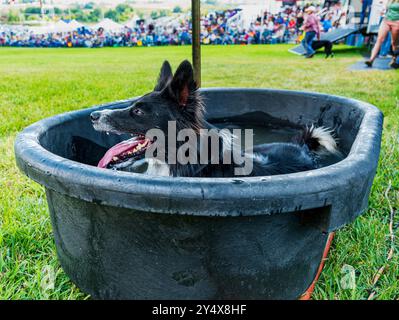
column 116, row 150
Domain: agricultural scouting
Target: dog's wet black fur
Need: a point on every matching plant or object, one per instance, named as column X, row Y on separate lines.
column 176, row 98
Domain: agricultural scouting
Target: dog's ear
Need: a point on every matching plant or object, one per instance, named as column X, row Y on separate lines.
column 183, row 84
column 164, row 76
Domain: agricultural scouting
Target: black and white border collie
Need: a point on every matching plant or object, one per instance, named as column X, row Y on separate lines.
column 176, row 98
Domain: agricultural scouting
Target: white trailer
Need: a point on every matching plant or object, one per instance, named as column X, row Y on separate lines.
column 353, row 9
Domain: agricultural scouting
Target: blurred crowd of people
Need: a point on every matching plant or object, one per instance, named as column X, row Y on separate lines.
column 217, row 28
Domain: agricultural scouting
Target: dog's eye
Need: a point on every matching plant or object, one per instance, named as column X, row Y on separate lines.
column 137, row 111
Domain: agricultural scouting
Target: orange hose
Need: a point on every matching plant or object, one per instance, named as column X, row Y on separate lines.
column 308, row 293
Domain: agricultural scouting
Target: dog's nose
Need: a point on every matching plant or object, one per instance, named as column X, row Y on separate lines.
column 94, row 116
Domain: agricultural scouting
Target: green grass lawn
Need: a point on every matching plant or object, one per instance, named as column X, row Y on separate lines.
column 37, row 83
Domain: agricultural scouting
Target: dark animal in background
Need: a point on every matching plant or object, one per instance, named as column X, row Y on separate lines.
column 327, row 45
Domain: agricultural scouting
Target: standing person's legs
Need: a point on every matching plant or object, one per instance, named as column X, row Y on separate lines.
column 307, row 42
column 310, row 40
column 394, row 27
column 382, row 34
column 363, row 12
column 386, row 45
column 365, row 5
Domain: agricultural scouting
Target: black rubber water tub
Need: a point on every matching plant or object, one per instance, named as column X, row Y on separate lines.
column 126, row 235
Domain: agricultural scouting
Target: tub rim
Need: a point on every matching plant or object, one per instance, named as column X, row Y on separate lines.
column 98, row 185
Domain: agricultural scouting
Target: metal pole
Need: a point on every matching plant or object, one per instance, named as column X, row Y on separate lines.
column 196, row 46
column 41, row 9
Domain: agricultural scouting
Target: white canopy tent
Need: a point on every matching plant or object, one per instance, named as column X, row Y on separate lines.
column 58, row 27
column 74, row 25
column 109, row 25
column 132, row 22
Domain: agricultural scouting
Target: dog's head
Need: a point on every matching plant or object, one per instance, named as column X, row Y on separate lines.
column 175, row 98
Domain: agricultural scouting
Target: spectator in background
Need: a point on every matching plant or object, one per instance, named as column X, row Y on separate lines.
column 299, row 20
column 328, row 3
column 311, row 27
column 336, row 14
column 270, row 24
column 99, row 38
column 327, row 23
column 216, row 29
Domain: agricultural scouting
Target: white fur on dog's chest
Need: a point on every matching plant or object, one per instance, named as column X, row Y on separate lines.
column 157, row 168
